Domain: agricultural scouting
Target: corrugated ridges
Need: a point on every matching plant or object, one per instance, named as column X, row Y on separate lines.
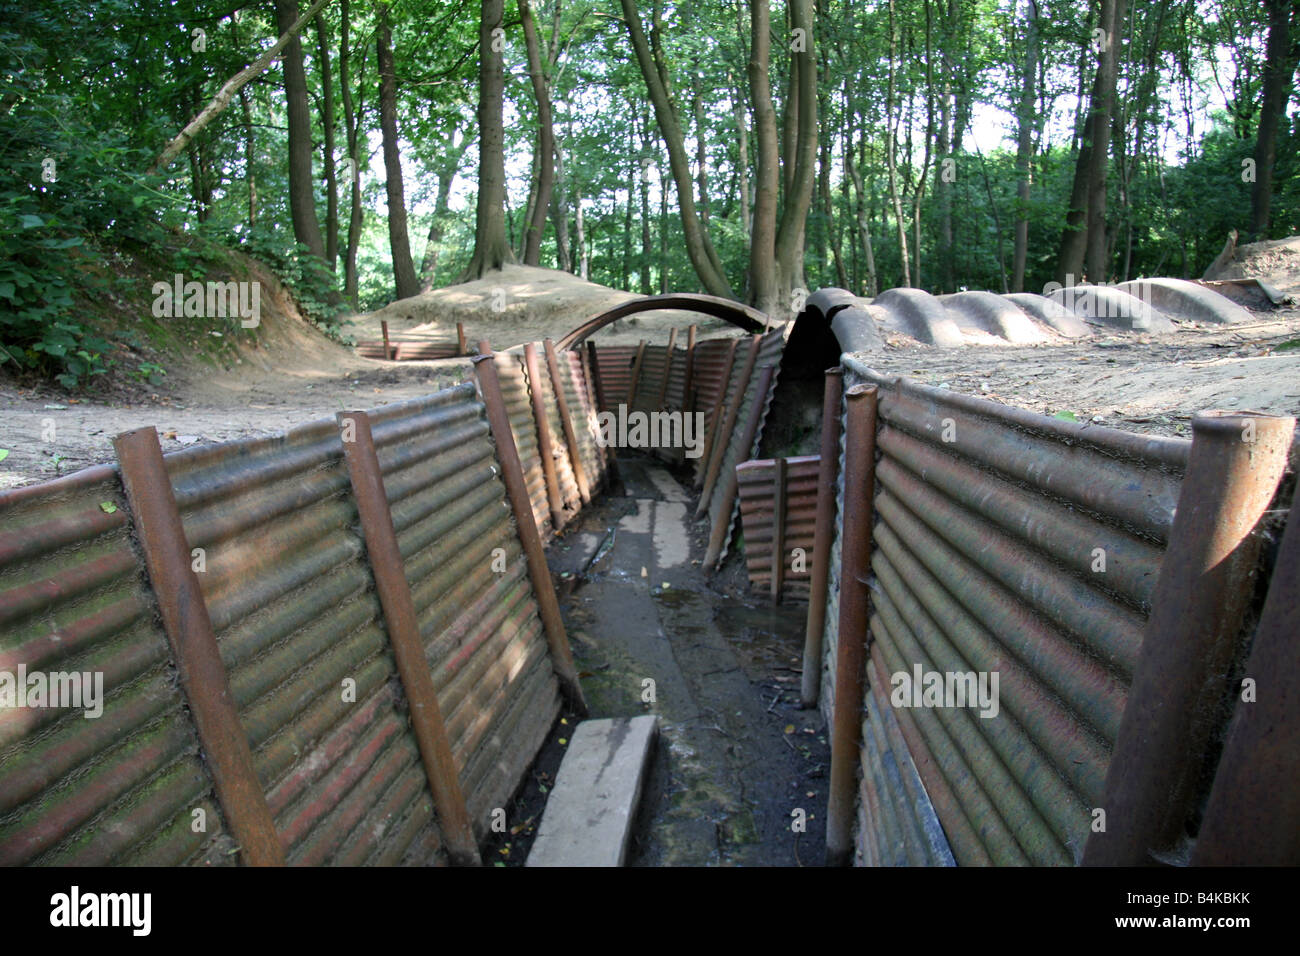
column 989, row 522
column 73, row 598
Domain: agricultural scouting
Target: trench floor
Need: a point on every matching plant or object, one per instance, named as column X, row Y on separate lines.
column 738, row 764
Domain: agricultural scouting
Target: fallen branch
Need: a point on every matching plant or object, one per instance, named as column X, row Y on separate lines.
column 227, row 92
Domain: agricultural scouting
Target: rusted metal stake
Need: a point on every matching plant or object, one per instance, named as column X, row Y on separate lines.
column 778, row 529
column 545, row 448
column 1253, row 815
column 722, row 520
column 598, row 400
column 185, row 618
column 388, row 349
column 711, row 438
column 462, row 347
column 1191, row 637
column 566, row 422
column 404, row 633
column 719, row 449
column 823, row 533
column 855, row 561
column 636, row 375
column 688, row 402
column 668, row 368
column 512, row 474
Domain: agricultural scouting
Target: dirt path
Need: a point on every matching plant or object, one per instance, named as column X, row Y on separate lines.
column 736, row 754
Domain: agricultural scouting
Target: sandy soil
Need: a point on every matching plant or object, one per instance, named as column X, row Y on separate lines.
column 1152, row 384
column 524, row 304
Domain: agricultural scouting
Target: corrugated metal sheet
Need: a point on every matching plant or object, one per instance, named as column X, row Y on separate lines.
column 407, row 351
column 519, row 406
column 991, row 526
column 73, row 597
column 582, row 408
column 769, row 355
column 282, row 569
column 757, row 489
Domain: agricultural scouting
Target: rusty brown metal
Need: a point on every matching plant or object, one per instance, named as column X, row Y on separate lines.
column 635, row 378
column 1235, row 464
column 850, row 662
column 1253, row 814
column 742, row 316
column 711, row 438
column 566, row 423
column 778, row 531
column 512, row 473
column 668, row 368
column 722, row 521
column 719, row 445
column 388, row 349
column 189, row 631
column 544, row 446
column 601, row 404
column 688, row 396
column 462, row 347
column 811, row 682
column 389, row 573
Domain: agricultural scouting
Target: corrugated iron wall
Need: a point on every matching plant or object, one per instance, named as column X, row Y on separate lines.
column 762, row 496
column 722, row 505
column 121, row 787
column 1013, row 544
column 281, row 563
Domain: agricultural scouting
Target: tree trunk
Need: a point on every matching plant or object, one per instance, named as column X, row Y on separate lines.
column 1085, row 223
column 327, row 122
column 398, row 238
column 234, row 85
column 580, row 235
column 698, row 245
column 560, row 213
column 1279, row 65
column 701, row 151
column 647, row 251
column 1025, row 145
column 890, row 146
column 350, row 121
column 302, row 184
column 545, row 139
column 250, row 157
column 446, row 176
column 491, row 248
column 798, row 200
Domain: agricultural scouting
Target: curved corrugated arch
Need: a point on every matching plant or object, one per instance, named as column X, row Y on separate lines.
column 739, row 315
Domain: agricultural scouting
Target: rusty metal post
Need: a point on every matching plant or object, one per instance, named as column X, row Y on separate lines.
column 462, row 347
column 388, row 349
column 1190, row 639
column 636, row 375
column 1253, row 815
column 688, row 398
column 512, row 474
column 722, row 520
column 715, row 419
column 850, row 659
column 719, row 450
column 566, row 422
column 778, row 529
column 546, row 451
column 823, row 534
column 403, row 628
column 668, row 368
column 598, row 397
column 203, row 675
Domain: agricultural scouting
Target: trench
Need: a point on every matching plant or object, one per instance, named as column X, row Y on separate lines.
column 739, row 773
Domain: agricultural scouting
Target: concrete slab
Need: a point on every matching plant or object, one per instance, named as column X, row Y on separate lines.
column 590, row 812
